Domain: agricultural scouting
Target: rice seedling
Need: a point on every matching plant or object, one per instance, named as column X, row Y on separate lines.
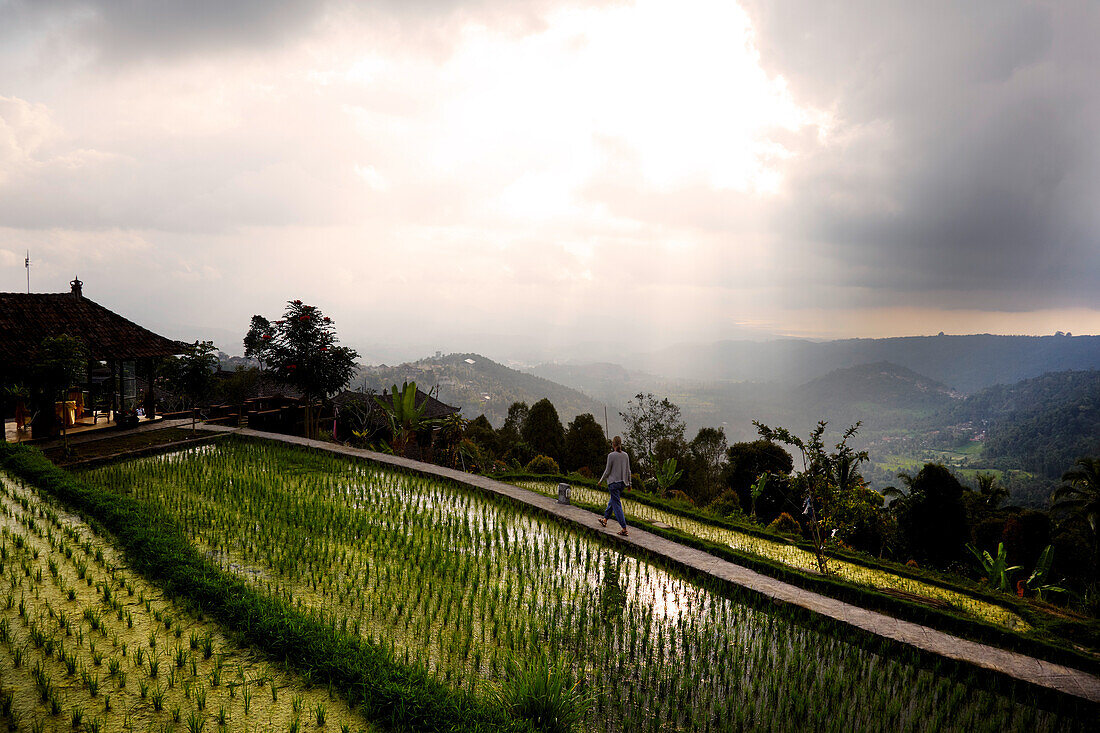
column 196, row 723
column 157, row 698
column 57, row 644
column 447, row 579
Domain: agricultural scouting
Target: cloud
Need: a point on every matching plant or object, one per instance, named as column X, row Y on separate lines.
column 440, row 166
column 962, row 152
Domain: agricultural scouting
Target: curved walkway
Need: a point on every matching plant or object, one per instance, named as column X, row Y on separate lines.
column 1045, row 674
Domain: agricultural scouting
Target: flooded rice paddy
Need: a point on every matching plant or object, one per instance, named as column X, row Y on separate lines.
column 453, row 581
column 86, row 644
column 792, row 555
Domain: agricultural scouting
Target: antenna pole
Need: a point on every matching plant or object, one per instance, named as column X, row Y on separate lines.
column 27, row 264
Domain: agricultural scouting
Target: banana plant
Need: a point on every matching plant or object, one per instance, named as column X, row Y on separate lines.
column 1037, row 582
column 758, row 489
column 404, row 416
column 667, row 475
column 996, row 569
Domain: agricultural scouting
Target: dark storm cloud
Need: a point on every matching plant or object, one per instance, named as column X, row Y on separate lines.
column 126, row 31
column 118, row 31
column 965, row 158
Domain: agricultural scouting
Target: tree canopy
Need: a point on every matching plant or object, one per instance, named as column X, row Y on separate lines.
column 542, row 430
column 300, row 350
column 586, row 445
column 648, row 421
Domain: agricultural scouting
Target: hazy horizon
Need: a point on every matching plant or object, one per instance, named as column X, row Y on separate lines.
column 557, row 178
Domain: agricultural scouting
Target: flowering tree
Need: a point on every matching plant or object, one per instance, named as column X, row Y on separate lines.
column 300, row 351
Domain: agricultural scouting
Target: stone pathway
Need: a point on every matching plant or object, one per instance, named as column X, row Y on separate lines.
column 1045, row 674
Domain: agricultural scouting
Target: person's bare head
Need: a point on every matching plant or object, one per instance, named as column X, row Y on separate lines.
column 617, row 443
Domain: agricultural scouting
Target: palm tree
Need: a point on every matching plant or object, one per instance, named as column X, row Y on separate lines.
column 993, row 493
column 897, row 494
column 1080, row 492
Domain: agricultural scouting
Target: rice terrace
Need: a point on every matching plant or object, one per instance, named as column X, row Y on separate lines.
column 341, row 594
column 549, row 366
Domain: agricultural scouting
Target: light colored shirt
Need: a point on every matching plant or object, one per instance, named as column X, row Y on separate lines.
column 618, row 468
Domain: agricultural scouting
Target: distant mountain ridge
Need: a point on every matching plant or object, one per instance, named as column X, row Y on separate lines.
column 478, row 385
column 964, row 363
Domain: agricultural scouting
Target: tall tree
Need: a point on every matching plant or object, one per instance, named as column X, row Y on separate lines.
column 301, row 351
column 931, row 515
column 1080, row 493
column 256, row 340
column 649, row 420
column 708, row 453
column 586, row 446
column 512, row 445
column 481, row 432
column 192, row 373
column 542, row 430
column 827, row 477
column 746, row 462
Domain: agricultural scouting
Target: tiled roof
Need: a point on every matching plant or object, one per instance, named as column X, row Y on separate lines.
column 27, row 318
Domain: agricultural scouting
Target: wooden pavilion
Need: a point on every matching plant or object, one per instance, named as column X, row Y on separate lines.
column 118, row 350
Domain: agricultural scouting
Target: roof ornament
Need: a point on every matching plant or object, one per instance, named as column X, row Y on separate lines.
column 77, row 287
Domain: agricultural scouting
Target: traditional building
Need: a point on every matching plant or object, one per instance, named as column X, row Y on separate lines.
column 118, row 350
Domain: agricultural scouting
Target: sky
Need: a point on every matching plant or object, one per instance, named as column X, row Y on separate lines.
column 557, row 179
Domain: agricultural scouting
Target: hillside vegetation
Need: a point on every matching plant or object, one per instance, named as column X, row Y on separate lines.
column 1038, row 425
column 479, row 386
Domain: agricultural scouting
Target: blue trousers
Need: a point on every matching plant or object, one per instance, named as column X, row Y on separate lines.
column 615, row 505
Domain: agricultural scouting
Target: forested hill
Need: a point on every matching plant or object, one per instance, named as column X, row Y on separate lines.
column 1039, row 425
column 881, row 383
column 963, row 363
column 480, row 386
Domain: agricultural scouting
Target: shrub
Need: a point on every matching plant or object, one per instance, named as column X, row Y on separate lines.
column 725, row 504
column 585, row 472
column 785, row 524
column 545, row 694
column 636, row 482
column 542, row 464
column 679, row 497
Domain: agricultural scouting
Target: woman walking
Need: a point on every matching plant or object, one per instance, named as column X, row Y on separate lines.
column 617, row 475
